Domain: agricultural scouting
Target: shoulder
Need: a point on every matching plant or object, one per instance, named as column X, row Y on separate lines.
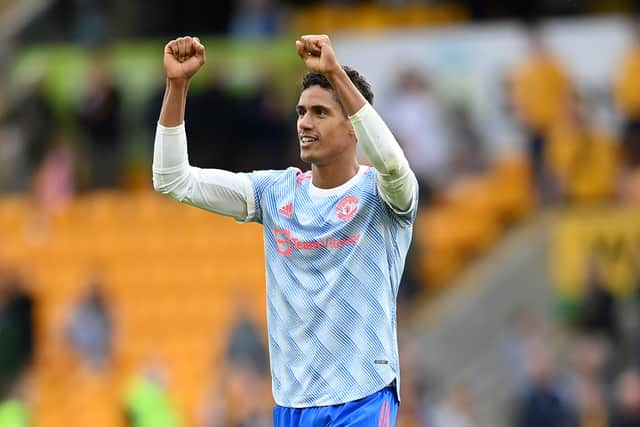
column 404, row 217
column 368, row 181
column 301, row 176
column 273, row 176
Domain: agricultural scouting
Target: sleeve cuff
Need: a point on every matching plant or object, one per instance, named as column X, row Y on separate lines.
column 413, row 190
column 174, row 130
column 250, row 197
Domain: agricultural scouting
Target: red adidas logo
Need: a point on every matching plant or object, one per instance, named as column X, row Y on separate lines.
column 286, row 210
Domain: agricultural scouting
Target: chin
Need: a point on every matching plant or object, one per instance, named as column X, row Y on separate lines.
column 307, row 157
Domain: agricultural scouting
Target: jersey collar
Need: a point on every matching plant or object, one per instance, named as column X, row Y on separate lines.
column 325, row 192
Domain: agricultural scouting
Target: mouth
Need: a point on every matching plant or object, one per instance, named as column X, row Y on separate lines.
column 307, row 140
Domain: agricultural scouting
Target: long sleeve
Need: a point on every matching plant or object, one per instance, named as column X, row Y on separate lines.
column 215, row 190
column 397, row 183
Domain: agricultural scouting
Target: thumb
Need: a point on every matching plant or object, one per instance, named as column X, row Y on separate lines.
column 300, row 49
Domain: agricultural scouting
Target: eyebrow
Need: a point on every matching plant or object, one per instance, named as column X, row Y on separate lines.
column 313, row 107
column 316, row 107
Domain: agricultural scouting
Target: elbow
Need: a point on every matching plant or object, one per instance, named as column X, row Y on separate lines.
column 392, row 169
column 168, row 187
column 158, row 184
column 395, row 166
column 164, row 190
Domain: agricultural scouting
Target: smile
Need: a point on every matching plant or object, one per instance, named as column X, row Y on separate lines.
column 307, row 140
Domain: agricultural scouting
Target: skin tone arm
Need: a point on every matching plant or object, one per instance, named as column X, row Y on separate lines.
column 183, row 57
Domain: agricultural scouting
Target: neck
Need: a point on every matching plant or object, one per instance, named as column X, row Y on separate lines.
column 334, row 174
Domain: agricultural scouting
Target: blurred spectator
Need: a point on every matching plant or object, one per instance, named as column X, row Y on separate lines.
column 591, row 406
column 239, row 132
column 99, row 117
column 89, row 329
column 542, row 403
column 53, row 188
column 626, row 89
column 245, row 347
column 589, row 358
column 147, row 401
column 582, row 160
column 16, row 328
column 456, row 411
column 424, row 407
column 54, row 183
column 239, row 396
column 524, row 334
column 270, row 132
column 215, row 118
column 586, row 385
column 467, row 154
column 417, row 120
column 418, row 388
column 11, row 170
column 502, row 130
column 626, row 408
column 256, row 19
column 245, row 130
column 540, row 89
column 33, row 118
column 598, row 314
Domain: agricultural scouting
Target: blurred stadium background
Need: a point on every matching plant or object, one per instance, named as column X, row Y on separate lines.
column 520, row 304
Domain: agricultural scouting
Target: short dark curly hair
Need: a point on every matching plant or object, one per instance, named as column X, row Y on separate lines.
column 313, row 78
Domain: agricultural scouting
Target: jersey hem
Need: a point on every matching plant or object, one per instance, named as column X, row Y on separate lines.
column 375, row 389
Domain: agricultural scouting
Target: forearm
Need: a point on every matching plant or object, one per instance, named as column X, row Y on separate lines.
column 348, row 94
column 396, row 182
column 173, row 104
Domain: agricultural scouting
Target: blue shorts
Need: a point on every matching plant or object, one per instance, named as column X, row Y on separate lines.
column 378, row 410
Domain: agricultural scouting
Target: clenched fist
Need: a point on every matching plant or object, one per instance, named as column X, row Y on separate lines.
column 317, row 53
column 183, row 57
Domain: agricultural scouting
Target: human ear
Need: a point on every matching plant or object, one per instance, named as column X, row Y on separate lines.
column 352, row 132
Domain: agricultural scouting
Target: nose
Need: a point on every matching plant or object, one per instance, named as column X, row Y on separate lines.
column 304, row 122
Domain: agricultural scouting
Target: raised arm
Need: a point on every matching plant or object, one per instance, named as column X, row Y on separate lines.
column 215, row 190
column 396, row 182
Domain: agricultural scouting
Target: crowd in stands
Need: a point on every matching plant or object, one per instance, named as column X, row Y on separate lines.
column 582, row 376
column 594, row 377
column 573, row 160
column 92, row 22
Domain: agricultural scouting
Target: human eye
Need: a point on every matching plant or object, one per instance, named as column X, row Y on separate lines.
column 321, row 112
